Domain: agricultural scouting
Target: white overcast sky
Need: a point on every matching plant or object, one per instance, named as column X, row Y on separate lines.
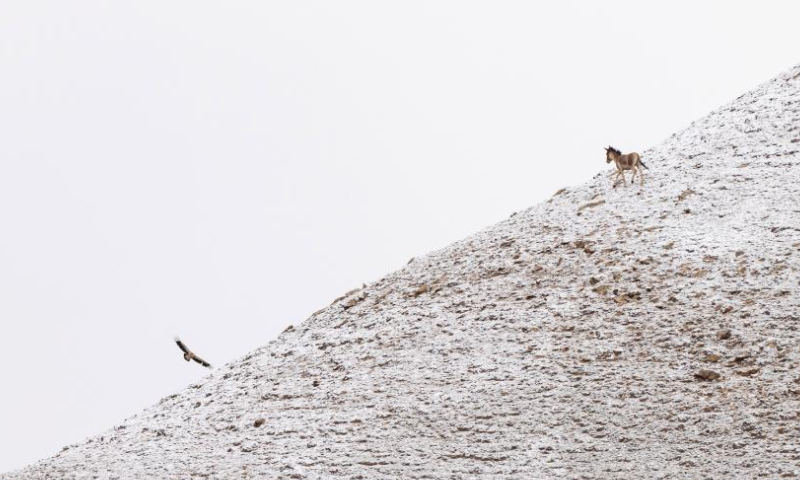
column 220, row 170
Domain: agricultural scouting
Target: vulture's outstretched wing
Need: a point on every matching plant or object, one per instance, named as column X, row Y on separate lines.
column 201, row 361
column 182, row 346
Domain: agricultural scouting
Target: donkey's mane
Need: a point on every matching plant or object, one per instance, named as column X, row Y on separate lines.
column 614, row 150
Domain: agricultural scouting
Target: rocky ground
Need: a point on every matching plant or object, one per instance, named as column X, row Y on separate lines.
column 623, row 333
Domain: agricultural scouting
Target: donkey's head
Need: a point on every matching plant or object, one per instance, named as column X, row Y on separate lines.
column 611, row 154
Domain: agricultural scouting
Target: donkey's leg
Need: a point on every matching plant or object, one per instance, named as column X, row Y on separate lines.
column 616, row 178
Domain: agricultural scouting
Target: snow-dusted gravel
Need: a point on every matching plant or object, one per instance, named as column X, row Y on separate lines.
column 653, row 333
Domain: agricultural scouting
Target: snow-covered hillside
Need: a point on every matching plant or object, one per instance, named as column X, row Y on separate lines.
column 628, row 333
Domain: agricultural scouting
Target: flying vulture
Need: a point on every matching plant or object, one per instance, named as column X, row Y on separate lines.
column 189, row 355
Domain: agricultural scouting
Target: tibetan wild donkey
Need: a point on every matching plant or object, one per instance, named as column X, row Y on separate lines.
column 629, row 161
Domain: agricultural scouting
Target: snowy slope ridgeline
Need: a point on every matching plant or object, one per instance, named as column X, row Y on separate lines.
column 608, row 333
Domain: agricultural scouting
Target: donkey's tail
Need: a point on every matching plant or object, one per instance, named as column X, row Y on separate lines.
column 642, row 164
